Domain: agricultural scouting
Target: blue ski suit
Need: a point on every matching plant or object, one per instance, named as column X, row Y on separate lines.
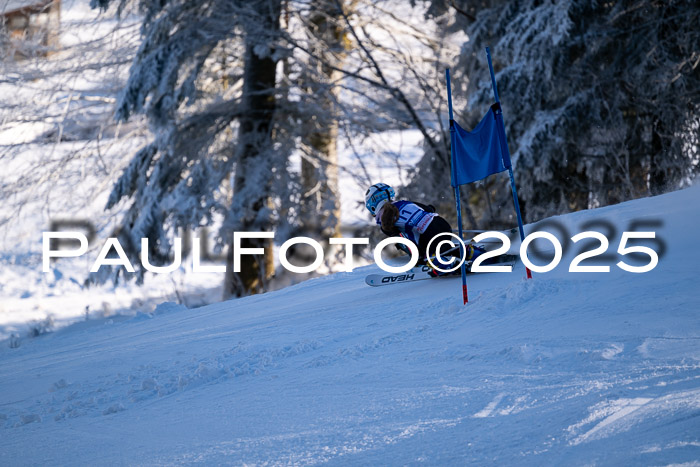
column 417, row 222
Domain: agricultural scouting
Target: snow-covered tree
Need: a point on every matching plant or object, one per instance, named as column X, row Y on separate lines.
column 600, row 98
column 58, row 140
column 181, row 179
column 225, row 120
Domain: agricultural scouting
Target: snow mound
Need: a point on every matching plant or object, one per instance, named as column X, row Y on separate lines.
column 582, row 368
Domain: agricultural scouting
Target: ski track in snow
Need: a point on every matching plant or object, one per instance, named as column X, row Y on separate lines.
column 562, row 369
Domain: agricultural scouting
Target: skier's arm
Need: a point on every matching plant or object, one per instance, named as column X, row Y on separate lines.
column 425, row 207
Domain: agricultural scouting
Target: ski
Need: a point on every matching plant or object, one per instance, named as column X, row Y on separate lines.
column 420, row 273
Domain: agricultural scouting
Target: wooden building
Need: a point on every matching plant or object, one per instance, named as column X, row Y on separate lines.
column 29, row 27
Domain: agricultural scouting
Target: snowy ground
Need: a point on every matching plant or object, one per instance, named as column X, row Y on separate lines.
column 566, row 369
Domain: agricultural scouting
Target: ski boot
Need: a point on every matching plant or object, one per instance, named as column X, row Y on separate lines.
column 473, row 252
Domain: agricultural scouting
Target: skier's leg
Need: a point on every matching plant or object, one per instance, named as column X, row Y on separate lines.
column 437, row 226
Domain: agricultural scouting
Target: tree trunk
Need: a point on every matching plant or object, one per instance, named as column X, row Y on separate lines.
column 251, row 187
column 320, row 203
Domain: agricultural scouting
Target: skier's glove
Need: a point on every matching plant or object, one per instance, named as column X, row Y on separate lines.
column 402, row 247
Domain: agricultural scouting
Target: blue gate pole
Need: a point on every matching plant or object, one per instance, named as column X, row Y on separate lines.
column 458, row 203
column 506, row 153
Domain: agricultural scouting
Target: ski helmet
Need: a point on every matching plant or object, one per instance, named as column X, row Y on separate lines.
column 377, row 195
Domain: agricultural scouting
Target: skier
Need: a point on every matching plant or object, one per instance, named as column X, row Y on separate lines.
column 415, row 221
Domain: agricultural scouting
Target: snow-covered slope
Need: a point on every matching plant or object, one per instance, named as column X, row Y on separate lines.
column 587, row 368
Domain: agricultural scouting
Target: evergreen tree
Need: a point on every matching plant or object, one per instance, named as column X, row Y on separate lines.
column 205, row 75
column 600, row 98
